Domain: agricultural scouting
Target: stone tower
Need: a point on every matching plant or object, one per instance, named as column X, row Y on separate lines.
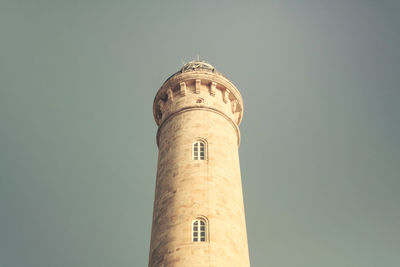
column 198, row 216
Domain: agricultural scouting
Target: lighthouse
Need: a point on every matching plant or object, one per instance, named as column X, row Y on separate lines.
column 198, row 213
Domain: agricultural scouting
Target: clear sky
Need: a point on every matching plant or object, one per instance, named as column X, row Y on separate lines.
column 320, row 150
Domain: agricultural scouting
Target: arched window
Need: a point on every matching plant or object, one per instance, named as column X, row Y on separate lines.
column 199, row 150
column 199, row 230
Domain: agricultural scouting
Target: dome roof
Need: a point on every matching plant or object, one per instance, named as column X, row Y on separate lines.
column 197, row 65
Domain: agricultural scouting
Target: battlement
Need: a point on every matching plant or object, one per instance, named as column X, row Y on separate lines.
column 198, row 85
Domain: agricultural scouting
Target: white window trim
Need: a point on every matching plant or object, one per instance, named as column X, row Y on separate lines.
column 196, row 155
column 200, row 222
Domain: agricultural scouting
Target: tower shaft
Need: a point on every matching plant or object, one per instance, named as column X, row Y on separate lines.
column 198, row 216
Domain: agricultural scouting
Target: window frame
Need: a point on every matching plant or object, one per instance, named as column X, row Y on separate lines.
column 199, row 150
column 199, row 235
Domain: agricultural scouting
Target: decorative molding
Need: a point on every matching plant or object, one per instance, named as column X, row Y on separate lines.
column 190, row 84
column 191, row 108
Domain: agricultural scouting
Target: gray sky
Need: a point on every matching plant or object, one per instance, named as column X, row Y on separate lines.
column 320, row 151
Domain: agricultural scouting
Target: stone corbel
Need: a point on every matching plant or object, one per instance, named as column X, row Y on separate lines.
column 182, row 88
column 225, row 95
column 197, row 87
column 161, row 105
column 234, row 104
column 159, row 117
column 170, row 95
column 213, row 88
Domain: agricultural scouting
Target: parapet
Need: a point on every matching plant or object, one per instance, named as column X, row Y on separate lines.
column 198, row 86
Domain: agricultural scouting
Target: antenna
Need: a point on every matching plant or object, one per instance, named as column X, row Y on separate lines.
column 198, row 57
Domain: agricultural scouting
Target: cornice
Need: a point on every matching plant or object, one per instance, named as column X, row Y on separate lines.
column 193, row 108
